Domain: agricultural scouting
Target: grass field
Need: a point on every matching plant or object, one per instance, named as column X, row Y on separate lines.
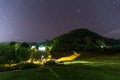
column 75, row 70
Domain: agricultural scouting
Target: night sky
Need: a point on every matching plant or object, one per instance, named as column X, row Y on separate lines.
column 38, row 20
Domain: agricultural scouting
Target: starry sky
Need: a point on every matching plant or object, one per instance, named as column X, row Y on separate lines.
column 38, row 20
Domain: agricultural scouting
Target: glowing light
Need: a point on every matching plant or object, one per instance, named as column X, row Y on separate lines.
column 34, row 61
column 33, row 47
column 42, row 48
column 102, row 46
column 68, row 58
column 10, row 65
column 77, row 62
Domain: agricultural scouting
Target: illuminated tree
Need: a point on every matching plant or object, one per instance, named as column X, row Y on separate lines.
column 9, row 55
column 34, row 54
column 100, row 43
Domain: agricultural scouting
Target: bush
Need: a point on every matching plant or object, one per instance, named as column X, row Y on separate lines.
column 27, row 65
column 18, row 66
column 8, row 68
column 50, row 63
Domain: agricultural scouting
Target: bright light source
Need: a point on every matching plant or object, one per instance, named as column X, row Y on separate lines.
column 41, row 48
column 102, row 46
column 33, row 47
column 68, row 58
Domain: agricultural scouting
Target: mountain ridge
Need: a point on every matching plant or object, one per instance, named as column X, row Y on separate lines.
column 81, row 39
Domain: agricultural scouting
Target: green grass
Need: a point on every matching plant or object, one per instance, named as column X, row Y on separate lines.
column 87, row 67
column 27, row 74
column 107, row 70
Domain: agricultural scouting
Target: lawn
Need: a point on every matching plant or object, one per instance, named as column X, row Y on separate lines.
column 76, row 70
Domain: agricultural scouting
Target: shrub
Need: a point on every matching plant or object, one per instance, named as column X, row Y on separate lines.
column 27, row 65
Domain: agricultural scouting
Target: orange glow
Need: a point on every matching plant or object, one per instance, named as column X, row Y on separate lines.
column 68, row 58
column 34, row 61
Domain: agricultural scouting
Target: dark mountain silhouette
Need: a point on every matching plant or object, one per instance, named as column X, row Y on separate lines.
column 81, row 34
column 81, row 39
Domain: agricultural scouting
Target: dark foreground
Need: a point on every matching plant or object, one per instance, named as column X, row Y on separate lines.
column 79, row 71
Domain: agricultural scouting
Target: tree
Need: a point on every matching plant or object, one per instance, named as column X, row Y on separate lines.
column 3, row 52
column 23, row 54
column 9, row 55
column 87, row 41
column 100, row 43
column 12, row 43
column 25, row 45
column 34, row 54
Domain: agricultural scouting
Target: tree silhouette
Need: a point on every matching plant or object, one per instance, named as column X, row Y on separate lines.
column 25, row 45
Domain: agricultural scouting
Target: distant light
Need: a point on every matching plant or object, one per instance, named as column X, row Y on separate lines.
column 33, row 47
column 102, row 46
column 41, row 48
column 78, row 11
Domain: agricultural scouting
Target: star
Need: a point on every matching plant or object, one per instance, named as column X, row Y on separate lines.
column 78, row 11
column 114, row 2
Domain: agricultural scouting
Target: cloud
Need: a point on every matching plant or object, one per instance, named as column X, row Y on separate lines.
column 114, row 33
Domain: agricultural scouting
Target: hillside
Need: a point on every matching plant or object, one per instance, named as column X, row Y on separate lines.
column 80, row 34
column 81, row 40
